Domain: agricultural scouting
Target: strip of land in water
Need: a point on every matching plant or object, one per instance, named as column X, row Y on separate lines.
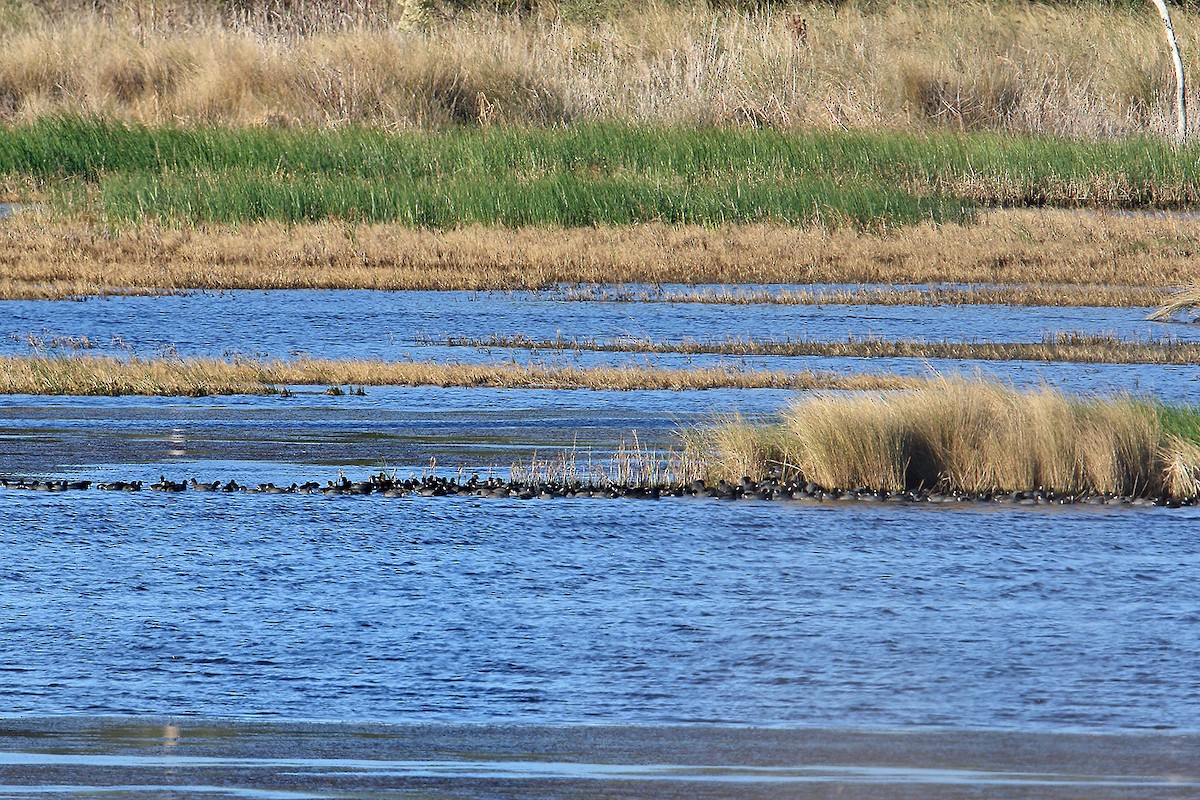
column 1064, row 347
column 1042, row 257
column 198, row 377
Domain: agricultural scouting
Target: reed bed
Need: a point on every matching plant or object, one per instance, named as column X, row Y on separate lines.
column 581, row 175
column 970, row 437
column 1058, row 257
column 1063, row 69
column 1062, row 347
column 197, row 377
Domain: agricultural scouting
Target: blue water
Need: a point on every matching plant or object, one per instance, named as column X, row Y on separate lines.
column 576, row 611
column 396, row 325
column 570, row 612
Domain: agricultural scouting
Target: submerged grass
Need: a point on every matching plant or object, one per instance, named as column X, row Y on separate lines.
column 584, row 175
column 197, row 377
column 1044, row 257
column 972, row 437
column 1064, row 347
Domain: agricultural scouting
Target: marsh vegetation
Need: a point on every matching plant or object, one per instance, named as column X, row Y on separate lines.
column 973, row 437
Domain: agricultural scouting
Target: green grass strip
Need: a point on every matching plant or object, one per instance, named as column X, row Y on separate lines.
column 586, row 175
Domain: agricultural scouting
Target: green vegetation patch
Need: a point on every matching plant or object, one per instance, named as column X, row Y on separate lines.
column 593, row 174
column 1181, row 421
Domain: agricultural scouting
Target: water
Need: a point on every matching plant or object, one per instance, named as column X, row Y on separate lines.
column 462, row 610
column 395, row 325
column 203, row 645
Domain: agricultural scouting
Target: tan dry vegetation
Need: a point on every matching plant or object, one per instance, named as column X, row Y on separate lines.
column 1020, row 295
column 1058, row 69
column 1063, row 347
column 1185, row 300
column 968, row 436
column 104, row 375
column 1107, row 259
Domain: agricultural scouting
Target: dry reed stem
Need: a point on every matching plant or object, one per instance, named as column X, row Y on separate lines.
column 1065, row 347
column 105, row 375
column 1054, row 69
column 968, row 436
column 1104, row 258
column 1185, row 300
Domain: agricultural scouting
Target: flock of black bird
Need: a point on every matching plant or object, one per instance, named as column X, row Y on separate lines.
column 774, row 487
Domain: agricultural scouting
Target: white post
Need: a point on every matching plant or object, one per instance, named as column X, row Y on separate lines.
column 1180, row 93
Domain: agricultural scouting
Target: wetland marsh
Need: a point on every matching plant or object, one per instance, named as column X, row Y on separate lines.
column 567, row 252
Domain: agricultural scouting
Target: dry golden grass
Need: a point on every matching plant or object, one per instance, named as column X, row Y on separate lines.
column 1107, row 259
column 1058, row 69
column 1067, row 347
column 103, row 375
column 967, row 436
column 1177, row 303
column 1017, row 295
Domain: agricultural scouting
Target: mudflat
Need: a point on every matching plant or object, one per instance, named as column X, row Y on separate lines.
column 186, row 757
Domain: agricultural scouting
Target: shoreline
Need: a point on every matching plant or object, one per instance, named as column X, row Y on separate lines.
column 767, row 490
column 190, row 756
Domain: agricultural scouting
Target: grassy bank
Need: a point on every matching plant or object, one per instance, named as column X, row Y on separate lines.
column 1077, row 70
column 198, row 377
column 1058, row 257
column 969, row 437
column 583, row 175
column 1063, row 347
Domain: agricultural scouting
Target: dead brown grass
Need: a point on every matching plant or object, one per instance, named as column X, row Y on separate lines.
column 103, row 375
column 1065, row 347
column 1056, row 69
column 1017, row 295
column 1063, row 257
column 1179, row 303
column 966, row 436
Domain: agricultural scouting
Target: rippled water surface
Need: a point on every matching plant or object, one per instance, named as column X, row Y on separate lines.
column 570, row 611
column 357, row 324
column 701, row 630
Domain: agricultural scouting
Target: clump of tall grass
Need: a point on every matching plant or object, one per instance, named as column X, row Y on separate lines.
column 966, row 436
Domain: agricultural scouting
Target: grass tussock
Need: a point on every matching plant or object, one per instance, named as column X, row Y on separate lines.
column 1062, row 347
column 967, row 436
column 197, row 377
column 1075, row 70
column 1060, row 257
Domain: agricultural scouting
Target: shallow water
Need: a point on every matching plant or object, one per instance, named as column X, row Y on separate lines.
column 203, row 758
column 462, row 610
column 930, row 653
column 395, row 325
column 311, row 435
